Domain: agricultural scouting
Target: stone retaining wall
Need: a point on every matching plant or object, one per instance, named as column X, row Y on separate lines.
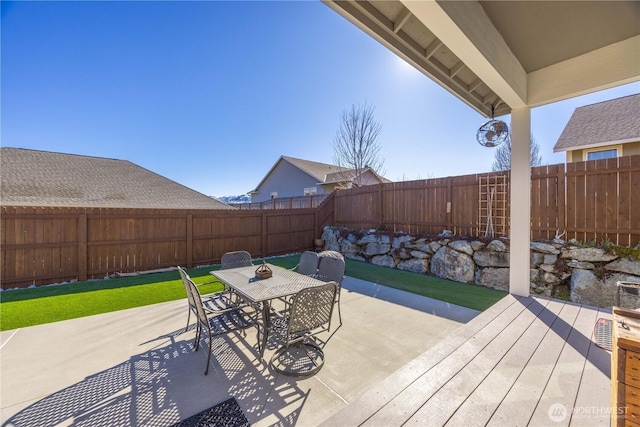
column 587, row 275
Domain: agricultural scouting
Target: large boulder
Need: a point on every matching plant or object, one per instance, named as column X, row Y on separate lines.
column 415, row 265
column 497, row 246
column 461, row 246
column 589, row 255
column 495, row 278
column 625, row 265
column 330, row 238
column 485, row 258
column 544, row 248
column 401, row 241
column 453, row 265
column 377, row 248
column 587, row 288
column 348, row 249
column 384, row 261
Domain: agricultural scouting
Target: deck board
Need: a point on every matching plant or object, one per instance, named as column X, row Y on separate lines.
column 521, row 400
column 480, row 406
column 412, row 398
column 377, row 397
column 439, row 408
column 508, row 366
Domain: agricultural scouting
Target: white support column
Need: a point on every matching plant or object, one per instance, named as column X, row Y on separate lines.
column 520, row 239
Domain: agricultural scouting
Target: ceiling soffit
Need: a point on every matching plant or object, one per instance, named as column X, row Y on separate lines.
column 393, row 25
column 496, row 56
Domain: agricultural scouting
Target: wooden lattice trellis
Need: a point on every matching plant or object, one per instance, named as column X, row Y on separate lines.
column 493, row 205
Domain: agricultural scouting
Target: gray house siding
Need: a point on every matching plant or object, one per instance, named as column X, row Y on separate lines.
column 288, row 181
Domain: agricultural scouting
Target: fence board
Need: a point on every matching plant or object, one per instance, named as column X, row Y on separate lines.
column 595, row 200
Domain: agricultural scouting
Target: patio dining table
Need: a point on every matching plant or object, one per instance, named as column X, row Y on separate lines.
column 261, row 292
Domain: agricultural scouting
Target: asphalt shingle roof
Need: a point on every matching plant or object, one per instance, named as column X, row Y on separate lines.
column 604, row 123
column 42, row 178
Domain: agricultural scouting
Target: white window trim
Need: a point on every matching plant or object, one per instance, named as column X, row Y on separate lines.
column 274, row 195
column 310, row 191
column 618, row 148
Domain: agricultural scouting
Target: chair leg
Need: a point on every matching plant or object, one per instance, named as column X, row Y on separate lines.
column 196, row 343
column 188, row 319
column 206, row 371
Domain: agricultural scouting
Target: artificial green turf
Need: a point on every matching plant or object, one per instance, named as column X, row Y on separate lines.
column 28, row 307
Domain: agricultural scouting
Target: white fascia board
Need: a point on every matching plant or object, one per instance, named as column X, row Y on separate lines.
column 597, row 145
column 467, row 31
column 604, row 68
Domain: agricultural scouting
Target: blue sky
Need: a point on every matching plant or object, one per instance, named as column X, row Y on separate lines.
column 211, row 94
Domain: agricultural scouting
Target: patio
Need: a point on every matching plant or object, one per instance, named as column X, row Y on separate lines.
column 137, row 367
column 397, row 359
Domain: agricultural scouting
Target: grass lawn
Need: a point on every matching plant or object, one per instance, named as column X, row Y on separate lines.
column 28, row 307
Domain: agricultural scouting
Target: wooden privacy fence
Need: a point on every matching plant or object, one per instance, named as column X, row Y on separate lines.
column 300, row 202
column 42, row 245
column 590, row 201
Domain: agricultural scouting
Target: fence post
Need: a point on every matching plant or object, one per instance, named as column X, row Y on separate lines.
column 82, row 247
column 264, row 235
column 381, row 204
column 448, row 200
column 189, row 238
column 562, row 205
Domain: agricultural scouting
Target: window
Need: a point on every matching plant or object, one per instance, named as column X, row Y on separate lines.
column 311, row 191
column 274, row 195
column 610, row 153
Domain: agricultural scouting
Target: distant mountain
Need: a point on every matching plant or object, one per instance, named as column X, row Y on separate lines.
column 233, row 199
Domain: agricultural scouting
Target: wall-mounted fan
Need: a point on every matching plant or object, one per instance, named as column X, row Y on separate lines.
column 493, row 132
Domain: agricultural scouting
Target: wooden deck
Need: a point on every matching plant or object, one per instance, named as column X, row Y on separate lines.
column 524, row 361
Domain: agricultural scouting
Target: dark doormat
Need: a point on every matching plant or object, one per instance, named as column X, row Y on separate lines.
column 225, row 414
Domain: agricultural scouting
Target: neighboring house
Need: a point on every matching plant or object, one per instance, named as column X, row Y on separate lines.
column 603, row 130
column 43, row 178
column 291, row 177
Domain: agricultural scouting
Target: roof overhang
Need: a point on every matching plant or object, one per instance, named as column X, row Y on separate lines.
column 500, row 55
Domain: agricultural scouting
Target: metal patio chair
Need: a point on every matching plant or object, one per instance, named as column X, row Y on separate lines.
column 218, row 323
column 213, row 303
column 331, row 269
column 310, row 314
column 235, row 259
column 308, row 264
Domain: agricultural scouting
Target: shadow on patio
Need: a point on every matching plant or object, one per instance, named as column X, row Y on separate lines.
column 123, row 368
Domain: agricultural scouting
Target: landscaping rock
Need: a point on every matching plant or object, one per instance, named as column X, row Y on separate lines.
column 401, row 241
column 453, row 265
column 461, row 246
column 485, row 258
column 415, row 265
column 625, row 265
column 545, row 248
column 384, row 261
column 588, row 255
column 582, row 265
column 419, row 254
column 497, row 246
column 495, row 278
column 376, row 248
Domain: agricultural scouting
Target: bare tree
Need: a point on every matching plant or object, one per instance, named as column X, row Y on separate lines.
column 502, row 156
column 355, row 146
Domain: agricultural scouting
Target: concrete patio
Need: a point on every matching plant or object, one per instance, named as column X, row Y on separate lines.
column 138, row 367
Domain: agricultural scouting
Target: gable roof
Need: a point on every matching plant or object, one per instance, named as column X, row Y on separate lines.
column 606, row 123
column 315, row 169
column 43, row 178
column 324, row 173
